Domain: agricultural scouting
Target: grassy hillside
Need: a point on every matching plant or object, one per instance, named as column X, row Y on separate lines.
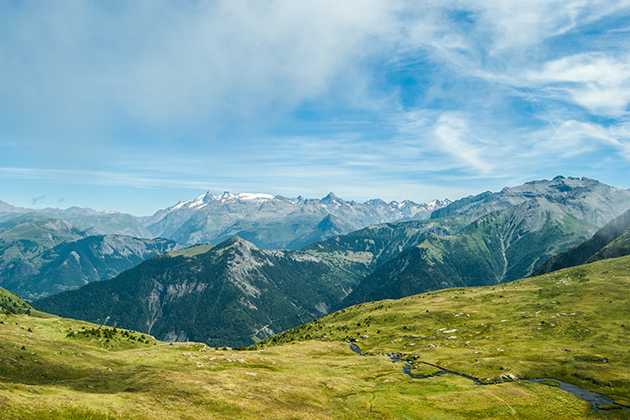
column 11, row 303
column 48, row 374
column 499, row 247
column 570, row 325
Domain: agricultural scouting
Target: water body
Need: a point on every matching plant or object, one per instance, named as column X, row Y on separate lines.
column 597, row 400
column 589, row 396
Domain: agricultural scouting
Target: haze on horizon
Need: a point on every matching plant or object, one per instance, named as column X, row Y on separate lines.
column 134, row 106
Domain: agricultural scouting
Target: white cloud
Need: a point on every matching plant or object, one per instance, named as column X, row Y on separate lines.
column 160, row 59
column 454, row 137
column 595, row 81
column 574, row 137
column 99, row 178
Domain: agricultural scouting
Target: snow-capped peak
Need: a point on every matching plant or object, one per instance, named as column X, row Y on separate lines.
column 253, row 197
column 435, row 204
column 226, row 196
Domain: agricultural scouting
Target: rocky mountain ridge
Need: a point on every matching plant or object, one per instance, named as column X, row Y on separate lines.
column 276, row 221
column 584, row 198
column 271, row 222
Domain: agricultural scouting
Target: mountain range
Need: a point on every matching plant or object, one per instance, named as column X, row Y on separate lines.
column 40, row 256
column 275, row 222
column 487, row 239
column 119, row 241
column 270, row 222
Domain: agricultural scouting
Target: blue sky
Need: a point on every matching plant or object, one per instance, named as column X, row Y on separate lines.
column 133, row 106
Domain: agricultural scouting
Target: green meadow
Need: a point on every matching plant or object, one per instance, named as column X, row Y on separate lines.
column 572, row 325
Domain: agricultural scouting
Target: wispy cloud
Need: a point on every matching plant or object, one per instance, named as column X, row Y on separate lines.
column 454, row 137
column 96, row 178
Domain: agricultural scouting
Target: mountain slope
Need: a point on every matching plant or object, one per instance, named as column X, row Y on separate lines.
column 501, row 246
column 40, row 256
column 510, row 234
column 73, row 264
column 233, row 294
column 377, row 244
column 273, row 222
column 7, row 211
column 39, row 230
column 569, row 325
column 10, row 303
column 100, row 222
column 94, row 221
column 618, row 248
column 24, row 238
column 588, row 250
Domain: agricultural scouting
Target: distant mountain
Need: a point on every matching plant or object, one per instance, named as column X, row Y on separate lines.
column 94, row 221
column 270, row 222
column 612, row 240
column 100, row 222
column 274, row 222
column 584, row 198
column 526, row 226
column 7, row 211
column 71, row 265
column 30, row 234
column 230, row 294
column 40, row 256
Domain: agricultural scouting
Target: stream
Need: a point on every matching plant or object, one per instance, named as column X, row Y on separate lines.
column 591, row 397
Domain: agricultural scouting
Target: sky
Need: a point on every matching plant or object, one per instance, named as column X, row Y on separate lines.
column 135, row 105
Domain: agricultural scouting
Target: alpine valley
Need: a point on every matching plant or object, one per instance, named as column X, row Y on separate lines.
column 439, row 310
column 236, row 293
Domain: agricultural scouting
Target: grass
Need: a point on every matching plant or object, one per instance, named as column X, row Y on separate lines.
column 55, row 368
column 191, row 251
column 572, row 325
column 13, row 304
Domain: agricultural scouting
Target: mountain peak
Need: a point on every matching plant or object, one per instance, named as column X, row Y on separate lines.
column 328, row 222
column 236, row 242
column 331, row 198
